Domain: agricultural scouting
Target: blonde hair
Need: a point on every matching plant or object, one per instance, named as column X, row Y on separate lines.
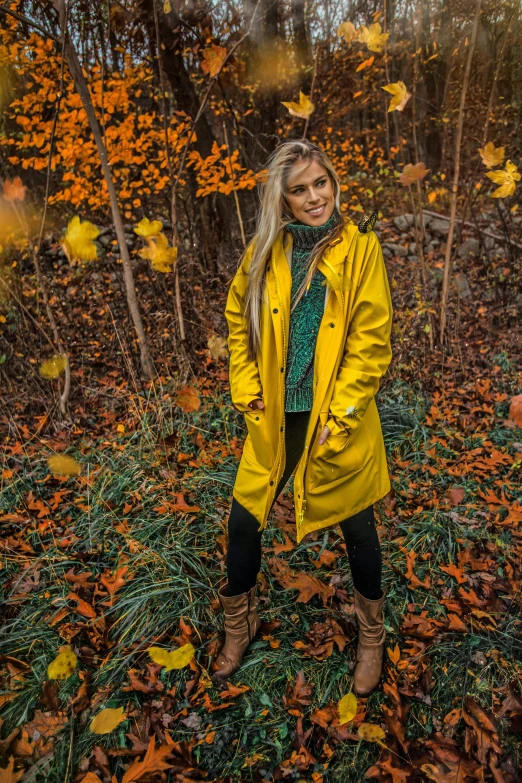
column 273, row 217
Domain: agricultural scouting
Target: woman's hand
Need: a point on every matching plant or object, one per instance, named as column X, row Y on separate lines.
column 324, row 434
column 256, row 405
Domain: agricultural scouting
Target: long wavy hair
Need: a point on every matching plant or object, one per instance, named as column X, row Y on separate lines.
column 273, row 217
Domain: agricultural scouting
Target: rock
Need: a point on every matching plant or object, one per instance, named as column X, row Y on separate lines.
column 489, row 243
column 489, row 295
column 105, row 241
column 395, row 250
column 460, row 282
column 469, row 246
column 425, row 220
column 413, row 248
column 432, row 245
column 105, row 231
column 412, row 259
column 403, row 222
column 439, row 227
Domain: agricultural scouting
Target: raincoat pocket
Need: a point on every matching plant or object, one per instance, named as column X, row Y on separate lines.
column 256, row 424
column 338, row 458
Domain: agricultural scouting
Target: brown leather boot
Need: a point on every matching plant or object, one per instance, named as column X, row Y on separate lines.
column 241, row 625
column 370, row 647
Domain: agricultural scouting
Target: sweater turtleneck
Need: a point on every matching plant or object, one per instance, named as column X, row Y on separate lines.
column 305, row 237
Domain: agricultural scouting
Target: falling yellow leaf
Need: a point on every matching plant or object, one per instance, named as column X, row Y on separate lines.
column 107, row 720
column 53, row 367
column 188, row 399
column 347, row 707
column 401, row 96
column 167, row 8
column 64, row 465
column 148, row 228
column 14, row 191
column 491, row 155
column 161, row 256
column 176, row 659
column 371, row 733
column 347, row 31
column 507, row 180
column 78, row 240
column 365, row 64
column 63, row 665
column 217, row 347
column 213, row 62
column 373, row 37
column 302, row 109
column 411, row 173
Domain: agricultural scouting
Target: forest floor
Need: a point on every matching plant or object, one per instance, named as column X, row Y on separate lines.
column 128, row 554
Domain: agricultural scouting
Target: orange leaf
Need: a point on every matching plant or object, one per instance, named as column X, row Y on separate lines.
column 188, row 399
column 152, row 762
column 82, row 607
column 14, row 191
column 455, row 623
column 395, row 654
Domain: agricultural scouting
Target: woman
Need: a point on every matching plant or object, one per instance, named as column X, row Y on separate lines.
column 309, row 315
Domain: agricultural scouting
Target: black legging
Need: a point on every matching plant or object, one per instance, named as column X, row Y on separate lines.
column 244, row 538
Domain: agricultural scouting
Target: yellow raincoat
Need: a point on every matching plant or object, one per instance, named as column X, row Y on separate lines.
column 349, row 471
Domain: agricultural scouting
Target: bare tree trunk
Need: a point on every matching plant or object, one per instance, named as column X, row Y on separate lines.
column 456, row 172
column 128, row 276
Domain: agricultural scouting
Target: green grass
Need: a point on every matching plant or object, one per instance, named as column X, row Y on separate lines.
column 177, row 564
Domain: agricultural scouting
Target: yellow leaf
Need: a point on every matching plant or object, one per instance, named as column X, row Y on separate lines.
column 121, row 427
column 217, row 347
column 373, row 37
column 53, row 367
column 176, row 659
column 78, row 240
column 63, row 665
column 167, row 8
column 302, row 109
column 411, row 173
column 161, row 256
column 507, row 180
column 365, row 64
column 347, row 31
column 347, row 707
column 401, row 96
column 213, row 62
column 148, row 228
column 64, row 465
column 491, row 155
column 371, row 733
column 107, row 720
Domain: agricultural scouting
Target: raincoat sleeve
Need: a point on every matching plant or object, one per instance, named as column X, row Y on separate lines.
column 245, row 382
column 367, row 352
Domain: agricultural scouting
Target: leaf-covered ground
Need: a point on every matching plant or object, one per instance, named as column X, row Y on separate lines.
column 128, row 555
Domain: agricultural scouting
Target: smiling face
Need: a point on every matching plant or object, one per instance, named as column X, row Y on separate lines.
column 309, row 193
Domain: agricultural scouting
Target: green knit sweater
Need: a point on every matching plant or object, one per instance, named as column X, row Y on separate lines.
column 306, row 318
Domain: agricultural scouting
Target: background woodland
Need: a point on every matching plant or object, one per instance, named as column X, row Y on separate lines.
column 133, row 140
